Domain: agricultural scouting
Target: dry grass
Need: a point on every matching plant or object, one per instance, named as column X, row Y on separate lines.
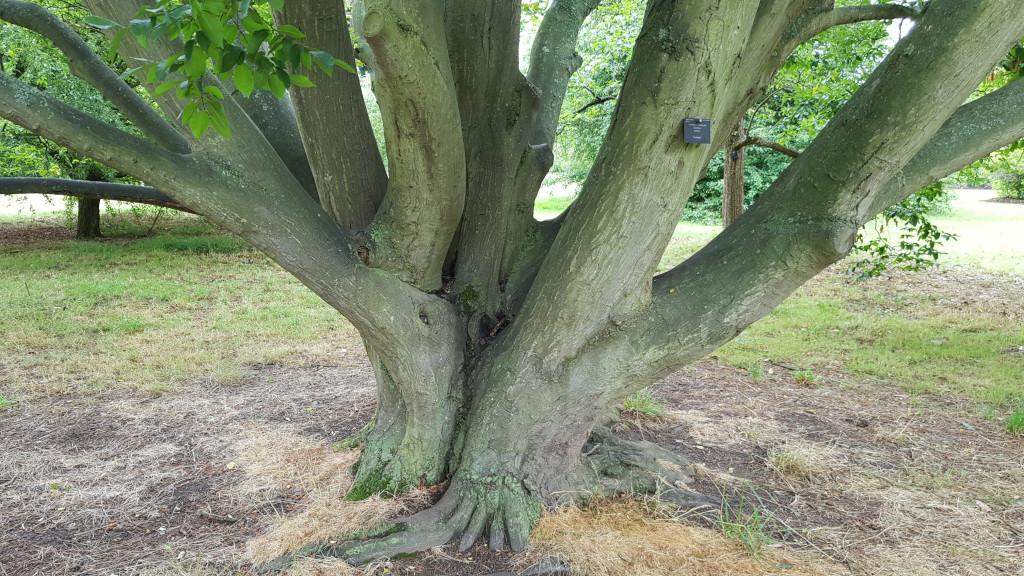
column 282, row 460
column 798, row 460
column 623, row 539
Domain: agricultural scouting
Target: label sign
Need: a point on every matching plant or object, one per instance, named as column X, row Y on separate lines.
column 697, row 131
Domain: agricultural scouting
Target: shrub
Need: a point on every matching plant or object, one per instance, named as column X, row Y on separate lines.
column 1009, row 185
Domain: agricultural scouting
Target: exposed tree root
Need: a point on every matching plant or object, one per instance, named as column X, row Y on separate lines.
column 500, row 509
column 640, row 467
column 495, row 507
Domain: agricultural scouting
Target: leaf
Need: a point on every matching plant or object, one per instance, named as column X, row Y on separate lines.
column 276, row 5
column 101, row 23
column 324, row 60
column 344, row 66
column 115, row 43
column 219, row 120
column 277, row 87
column 198, row 122
column 301, row 81
column 140, row 27
column 244, row 80
column 214, row 92
column 164, row 87
column 289, row 30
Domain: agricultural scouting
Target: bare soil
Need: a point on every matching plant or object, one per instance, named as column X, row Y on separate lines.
column 129, row 484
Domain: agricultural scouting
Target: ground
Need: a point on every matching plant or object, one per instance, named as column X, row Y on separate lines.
column 171, row 403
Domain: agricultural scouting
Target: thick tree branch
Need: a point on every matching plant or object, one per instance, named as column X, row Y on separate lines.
column 243, row 185
column 852, row 15
column 810, row 216
column 553, row 61
column 412, row 78
column 46, row 116
column 597, row 270
column 275, row 119
column 271, row 117
column 497, row 107
column 89, row 189
column 333, row 120
column 87, row 65
column 764, row 143
column 977, row 129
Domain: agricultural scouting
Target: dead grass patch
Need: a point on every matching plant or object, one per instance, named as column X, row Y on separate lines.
column 623, row 539
column 279, row 459
column 798, row 460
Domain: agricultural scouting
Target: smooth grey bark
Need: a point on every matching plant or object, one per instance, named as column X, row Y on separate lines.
column 89, row 190
column 333, row 119
column 412, row 77
column 505, row 412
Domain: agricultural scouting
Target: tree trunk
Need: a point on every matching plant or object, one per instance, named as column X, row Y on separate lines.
column 732, row 182
column 88, row 219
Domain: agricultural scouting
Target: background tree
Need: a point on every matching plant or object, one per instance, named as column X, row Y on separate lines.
column 501, row 344
column 36, row 61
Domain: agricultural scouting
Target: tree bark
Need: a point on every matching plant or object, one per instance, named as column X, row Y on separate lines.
column 733, row 189
column 88, row 220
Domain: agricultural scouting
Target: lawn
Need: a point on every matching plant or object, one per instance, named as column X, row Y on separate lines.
column 189, row 302
column 186, row 302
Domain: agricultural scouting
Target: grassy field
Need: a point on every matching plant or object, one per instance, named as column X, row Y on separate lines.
column 186, row 301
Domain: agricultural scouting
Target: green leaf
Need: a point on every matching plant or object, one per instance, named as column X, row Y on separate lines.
column 140, row 27
column 344, row 66
column 289, row 30
column 195, row 66
column 115, row 43
column 214, row 92
column 244, row 80
column 164, row 87
column 198, row 122
column 219, row 120
column 101, row 23
column 324, row 60
column 277, row 87
column 276, row 5
column 301, row 81
column 212, row 27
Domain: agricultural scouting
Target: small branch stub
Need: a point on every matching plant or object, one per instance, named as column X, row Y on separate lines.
column 697, row 130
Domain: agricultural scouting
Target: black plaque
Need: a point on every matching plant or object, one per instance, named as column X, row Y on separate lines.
column 697, row 131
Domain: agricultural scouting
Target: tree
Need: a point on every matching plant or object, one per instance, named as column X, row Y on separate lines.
column 35, row 61
column 501, row 344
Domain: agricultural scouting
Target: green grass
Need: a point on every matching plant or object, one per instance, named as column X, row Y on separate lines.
column 833, row 323
column 1015, row 423
column 645, row 403
column 551, row 206
column 6, row 402
column 188, row 302
column 805, row 377
column 871, row 331
column 991, row 234
column 749, row 528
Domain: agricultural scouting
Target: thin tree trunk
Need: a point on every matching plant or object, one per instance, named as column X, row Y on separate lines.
column 733, row 188
column 88, row 219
